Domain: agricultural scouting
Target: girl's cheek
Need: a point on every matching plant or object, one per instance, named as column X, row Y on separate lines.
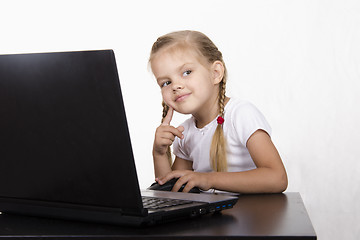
column 165, row 100
column 166, row 97
column 164, row 94
column 169, row 104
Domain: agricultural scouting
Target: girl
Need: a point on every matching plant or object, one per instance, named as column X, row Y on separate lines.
column 226, row 144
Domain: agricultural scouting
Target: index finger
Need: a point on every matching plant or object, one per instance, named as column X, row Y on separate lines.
column 171, row 175
column 168, row 116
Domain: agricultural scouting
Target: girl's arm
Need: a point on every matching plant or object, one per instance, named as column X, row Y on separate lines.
column 182, row 164
column 162, row 166
column 269, row 176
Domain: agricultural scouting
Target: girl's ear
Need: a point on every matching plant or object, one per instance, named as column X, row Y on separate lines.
column 217, row 70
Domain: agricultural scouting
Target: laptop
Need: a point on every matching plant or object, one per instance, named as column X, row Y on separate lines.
column 65, row 149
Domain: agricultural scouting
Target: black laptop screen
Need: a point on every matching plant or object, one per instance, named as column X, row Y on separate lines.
column 64, row 135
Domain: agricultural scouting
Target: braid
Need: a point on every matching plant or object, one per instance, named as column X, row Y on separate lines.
column 165, row 110
column 218, row 145
column 222, row 91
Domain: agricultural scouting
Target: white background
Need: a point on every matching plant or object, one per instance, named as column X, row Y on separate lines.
column 297, row 61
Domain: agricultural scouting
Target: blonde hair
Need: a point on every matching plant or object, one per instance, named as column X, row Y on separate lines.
column 205, row 48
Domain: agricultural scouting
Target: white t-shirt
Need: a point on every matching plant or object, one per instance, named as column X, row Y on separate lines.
column 242, row 119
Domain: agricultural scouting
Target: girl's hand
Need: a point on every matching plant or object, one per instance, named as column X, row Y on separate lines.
column 188, row 177
column 165, row 134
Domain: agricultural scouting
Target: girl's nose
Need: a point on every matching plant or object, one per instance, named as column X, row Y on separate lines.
column 177, row 85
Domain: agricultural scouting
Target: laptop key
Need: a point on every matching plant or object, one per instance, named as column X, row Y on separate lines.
column 159, row 203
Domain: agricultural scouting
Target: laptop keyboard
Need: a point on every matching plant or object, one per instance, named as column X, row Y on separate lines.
column 159, row 203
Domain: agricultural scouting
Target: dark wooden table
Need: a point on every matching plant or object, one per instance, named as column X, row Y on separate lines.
column 264, row 216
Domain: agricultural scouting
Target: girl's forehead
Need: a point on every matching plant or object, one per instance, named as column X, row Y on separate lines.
column 180, row 54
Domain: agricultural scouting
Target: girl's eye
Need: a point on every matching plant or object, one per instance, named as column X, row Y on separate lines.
column 167, row 83
column 186, row 73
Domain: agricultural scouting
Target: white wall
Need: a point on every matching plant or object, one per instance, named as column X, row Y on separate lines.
column 298, row 61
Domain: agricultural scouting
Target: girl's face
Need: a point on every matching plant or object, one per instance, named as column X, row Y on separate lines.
column 187, row 85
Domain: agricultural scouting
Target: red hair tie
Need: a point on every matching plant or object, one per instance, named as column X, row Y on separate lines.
column 220, row 120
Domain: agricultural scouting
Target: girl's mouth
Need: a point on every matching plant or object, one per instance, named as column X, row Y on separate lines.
column 182, row 97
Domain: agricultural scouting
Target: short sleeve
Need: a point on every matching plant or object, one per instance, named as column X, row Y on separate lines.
column 179, row 150
column 247, row 119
